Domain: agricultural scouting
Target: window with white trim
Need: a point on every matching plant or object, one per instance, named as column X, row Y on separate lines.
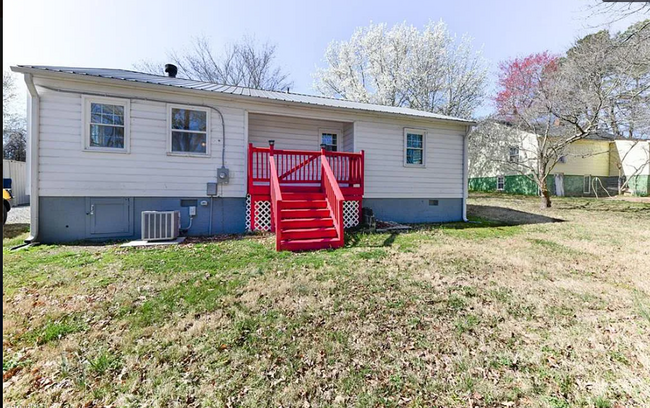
column 189, row 130
column 513, row 154
column 106, row 124
column 329, row 138
column 501, row 183
column 414, row 148
column 586, row 184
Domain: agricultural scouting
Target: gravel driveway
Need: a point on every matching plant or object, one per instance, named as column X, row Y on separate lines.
column 18, row 215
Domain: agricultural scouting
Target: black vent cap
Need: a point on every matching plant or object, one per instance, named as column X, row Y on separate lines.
column 171, row 70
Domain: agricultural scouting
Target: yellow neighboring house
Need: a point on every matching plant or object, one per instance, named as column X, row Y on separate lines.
column 588, row 167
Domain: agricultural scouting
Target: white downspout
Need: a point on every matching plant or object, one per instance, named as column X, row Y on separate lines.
column 33, row 131
column 465, row 172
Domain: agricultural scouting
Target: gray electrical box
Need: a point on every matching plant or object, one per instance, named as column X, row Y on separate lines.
column 212, row 189
column 223, row 175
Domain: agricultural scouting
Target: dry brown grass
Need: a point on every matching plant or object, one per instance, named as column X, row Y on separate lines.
column 526, row 311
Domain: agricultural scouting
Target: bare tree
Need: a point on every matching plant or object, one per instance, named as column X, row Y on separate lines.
column 244, row 63
column 14, row 141
column 615, row 11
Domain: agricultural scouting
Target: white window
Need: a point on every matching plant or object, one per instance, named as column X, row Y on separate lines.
column 415, row 142
column 330, row 139
column 586, row 184
column 501, row 183
column 106, row 124
column 189, row 133
column 513, row 154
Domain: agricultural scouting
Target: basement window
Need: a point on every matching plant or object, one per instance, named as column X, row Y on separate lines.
column 106, row 124
column 188, row 131
column 501, row 183
column 414, row 148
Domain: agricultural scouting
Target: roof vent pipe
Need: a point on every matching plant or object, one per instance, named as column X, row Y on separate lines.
column 171, row 70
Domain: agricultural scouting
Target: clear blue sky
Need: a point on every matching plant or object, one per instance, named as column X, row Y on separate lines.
column 119, row 33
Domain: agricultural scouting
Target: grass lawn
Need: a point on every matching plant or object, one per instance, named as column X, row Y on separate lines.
column 517, row 308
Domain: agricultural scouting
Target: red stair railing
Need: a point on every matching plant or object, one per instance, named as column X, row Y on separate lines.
column 276, row 202
column 333, row 195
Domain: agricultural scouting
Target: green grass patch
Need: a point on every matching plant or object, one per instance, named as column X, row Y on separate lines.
column 480, row 229
column 196, row 295
column 54, row 330
column 552, row 246
column 14, row 235
column 103, row 363
column 465, row 324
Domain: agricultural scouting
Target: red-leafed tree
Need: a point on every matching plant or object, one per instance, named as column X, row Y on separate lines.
column 521, row 80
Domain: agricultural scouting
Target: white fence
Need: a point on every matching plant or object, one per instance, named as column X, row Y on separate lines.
column 17, row 172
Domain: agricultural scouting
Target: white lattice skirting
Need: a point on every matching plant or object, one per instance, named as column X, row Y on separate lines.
column 248, row 213
column 263, row 215
column 350, row 214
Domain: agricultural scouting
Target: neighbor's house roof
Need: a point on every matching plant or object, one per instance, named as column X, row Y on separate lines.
column 139, row 77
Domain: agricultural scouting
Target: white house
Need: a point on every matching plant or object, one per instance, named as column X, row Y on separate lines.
column 107, row 144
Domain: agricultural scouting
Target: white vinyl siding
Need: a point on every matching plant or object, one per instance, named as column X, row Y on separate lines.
column 148, row 171
column 348, row 137
column 289, row 132
column 66, row 170
column 386, row 175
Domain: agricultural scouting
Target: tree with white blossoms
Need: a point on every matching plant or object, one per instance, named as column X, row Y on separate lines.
column 429, row 70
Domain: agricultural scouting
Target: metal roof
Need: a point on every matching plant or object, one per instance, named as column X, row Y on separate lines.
column 139, row 77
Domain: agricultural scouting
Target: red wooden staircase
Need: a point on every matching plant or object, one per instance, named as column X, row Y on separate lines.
column 306, row 218
column 306, row 222
column 306, row 194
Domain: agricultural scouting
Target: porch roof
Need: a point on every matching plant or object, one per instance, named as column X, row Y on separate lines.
column 139, row 77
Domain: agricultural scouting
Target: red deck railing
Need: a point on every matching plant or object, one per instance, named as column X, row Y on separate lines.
column 276, row 203
column 334, row 196
column 299, row 167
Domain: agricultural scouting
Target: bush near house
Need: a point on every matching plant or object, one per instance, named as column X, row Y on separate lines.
column 511, row 309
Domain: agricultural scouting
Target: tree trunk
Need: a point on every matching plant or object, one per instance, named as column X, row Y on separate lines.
column 545, row 194
column 546, row 199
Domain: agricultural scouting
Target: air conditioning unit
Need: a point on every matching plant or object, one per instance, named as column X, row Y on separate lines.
column 160, row 225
